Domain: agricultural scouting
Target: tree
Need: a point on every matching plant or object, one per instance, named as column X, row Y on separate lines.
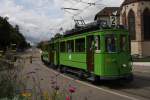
column 10, row 35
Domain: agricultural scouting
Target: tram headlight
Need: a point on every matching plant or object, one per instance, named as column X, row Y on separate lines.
column 124, row 65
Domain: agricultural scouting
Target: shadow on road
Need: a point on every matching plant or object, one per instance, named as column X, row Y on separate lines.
column 138, row 82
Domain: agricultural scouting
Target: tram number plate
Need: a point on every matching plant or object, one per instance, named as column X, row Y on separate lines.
column 113, row 20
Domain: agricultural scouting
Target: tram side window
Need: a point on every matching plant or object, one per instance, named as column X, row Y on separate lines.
column 62, row 46
column 123, row 43
column 70, row 46
column 110, row 43
column 80, row 45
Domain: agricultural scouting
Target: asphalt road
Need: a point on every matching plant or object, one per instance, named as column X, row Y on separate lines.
column 42, row 80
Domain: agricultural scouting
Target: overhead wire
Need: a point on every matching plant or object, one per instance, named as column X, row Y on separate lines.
column 87, row 7
column 82, row 10
column 67, row 12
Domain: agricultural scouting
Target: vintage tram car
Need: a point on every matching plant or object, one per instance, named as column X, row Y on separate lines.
column 96, row 50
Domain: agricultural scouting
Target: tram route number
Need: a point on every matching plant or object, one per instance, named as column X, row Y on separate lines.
column 113, row 20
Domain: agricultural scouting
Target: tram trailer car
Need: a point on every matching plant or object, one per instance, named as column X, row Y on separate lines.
column 103, row 54
column 45, row 53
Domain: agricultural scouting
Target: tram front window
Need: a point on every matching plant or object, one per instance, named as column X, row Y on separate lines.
column 110, row 43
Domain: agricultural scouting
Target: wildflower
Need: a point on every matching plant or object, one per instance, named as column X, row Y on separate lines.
column 72, row 89
column 26, row 94
column 68, row 98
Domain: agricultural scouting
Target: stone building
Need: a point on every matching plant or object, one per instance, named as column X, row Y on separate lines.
column 135, row 14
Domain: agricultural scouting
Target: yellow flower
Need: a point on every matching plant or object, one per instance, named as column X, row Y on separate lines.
column 26, row 94
column 46, row 96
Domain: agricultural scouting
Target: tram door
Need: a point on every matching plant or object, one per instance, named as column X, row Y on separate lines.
column 90, row 53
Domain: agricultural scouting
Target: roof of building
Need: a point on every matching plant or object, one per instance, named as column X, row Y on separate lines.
column 107, row 11
column 132, row 1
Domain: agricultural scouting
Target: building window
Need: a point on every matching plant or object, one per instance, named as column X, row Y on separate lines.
column 62, row 47
column 70, row 46
column 146, row 23
column 80, row 45
column 131, row 25
column 124, row 18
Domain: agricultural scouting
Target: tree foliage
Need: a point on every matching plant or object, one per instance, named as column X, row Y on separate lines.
column 10, row 35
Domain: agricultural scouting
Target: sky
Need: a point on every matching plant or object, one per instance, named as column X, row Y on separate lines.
column 40, row 20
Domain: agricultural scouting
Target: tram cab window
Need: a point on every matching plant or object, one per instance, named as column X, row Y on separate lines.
column 110, row 43
column 62, row 47
column 80, row 45
column 123, row 43
column 94, row 43
column 70, row 46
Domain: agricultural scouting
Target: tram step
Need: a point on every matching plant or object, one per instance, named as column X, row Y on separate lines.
column 91, row 78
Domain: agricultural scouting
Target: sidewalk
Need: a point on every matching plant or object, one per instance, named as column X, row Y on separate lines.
column 146, row 64
column 143, row 67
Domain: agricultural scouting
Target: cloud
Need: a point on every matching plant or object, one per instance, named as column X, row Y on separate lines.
column 41, row 19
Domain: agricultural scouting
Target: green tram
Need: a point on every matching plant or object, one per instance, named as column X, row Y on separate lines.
column 101, row 54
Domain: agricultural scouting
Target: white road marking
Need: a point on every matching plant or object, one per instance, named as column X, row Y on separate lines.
column 99, row 88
